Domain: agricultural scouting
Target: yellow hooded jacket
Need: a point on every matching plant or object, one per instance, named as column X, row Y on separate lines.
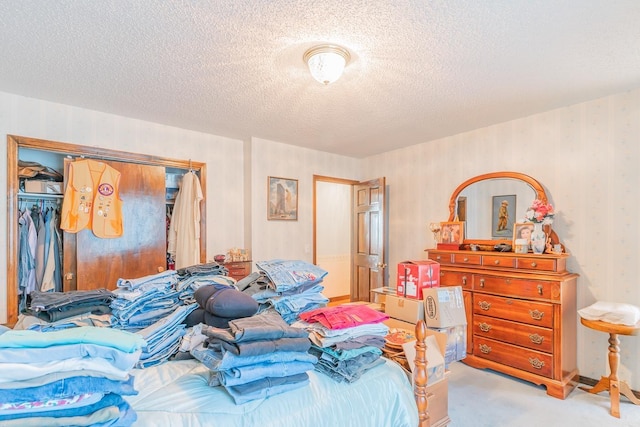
column 91, row 199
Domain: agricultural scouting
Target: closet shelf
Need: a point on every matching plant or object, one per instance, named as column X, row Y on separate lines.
column 22, row 195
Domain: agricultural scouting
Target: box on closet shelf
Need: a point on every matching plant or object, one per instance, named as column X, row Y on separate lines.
column 42, row 186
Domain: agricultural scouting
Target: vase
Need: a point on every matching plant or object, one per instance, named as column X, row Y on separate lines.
column 538, row 239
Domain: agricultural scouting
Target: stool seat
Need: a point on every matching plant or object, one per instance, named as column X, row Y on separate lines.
column 612, row 383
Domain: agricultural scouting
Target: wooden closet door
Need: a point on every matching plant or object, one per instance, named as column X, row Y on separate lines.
column 92, row 263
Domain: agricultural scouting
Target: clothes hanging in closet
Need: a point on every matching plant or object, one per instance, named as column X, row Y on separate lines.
column 92, row 200
column 184, row 231
column 39, row 251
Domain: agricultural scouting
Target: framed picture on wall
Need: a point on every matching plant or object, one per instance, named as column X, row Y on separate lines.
column 452, row 232
column 503, row 215
column 282, row 199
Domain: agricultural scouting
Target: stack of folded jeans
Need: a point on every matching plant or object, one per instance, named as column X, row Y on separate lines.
column 58, row 310
column 288, row 286
column 192, row 277
column 347, row 339
column 256, row 357
column 74, row 376
column 151, row 306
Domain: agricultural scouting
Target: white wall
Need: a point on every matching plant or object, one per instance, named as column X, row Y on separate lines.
column 586, row 156
column 223, row 156
column 289, row 239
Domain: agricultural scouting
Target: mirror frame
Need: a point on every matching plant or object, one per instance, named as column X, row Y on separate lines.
column 532, row 182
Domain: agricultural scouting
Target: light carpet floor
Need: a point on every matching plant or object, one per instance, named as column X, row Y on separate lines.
column 485, row 398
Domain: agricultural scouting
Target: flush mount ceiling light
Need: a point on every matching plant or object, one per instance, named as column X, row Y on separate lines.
column 326, row 62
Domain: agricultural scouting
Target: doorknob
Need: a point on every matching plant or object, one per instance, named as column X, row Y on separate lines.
column 381, row 265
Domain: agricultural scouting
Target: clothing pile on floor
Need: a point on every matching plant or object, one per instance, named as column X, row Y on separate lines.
column 75, row 376
column 347, row 339
column 256, row 357
column 288, row 286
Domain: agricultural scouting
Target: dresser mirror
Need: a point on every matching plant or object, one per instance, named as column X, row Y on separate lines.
column 476, row 202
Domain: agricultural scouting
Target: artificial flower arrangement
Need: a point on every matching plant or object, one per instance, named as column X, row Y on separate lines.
column 540, row 212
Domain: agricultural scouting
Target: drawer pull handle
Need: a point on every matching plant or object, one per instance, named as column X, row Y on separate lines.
column 465, row 259
column 464, row 280
column 496, row 262
column 442, row 274
column 536, row 363
column 534, row 264
column 536, row 339
column 539, row 289
column 536, row 315
column 484, row 305
column 484, row 327
column 438, row 257
column 485, row 349
column 482, row 283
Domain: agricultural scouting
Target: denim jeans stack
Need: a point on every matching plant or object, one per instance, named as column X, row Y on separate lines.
column 75, row 376
column 152, row 307
column 256, row 357
column 288, row 286
column 347, row 339
column 61, row 310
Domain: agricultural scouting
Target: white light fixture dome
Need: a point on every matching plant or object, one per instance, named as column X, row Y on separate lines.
column 326, row 62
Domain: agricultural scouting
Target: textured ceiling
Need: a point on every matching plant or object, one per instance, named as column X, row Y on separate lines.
column 420, row 70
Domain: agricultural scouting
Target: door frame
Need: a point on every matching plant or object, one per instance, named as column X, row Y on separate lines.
column 14, row 143
column 342, row 181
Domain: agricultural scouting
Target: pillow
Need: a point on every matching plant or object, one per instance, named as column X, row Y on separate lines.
column 612, row 312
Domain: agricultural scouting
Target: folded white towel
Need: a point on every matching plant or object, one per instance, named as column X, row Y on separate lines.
column 612, row 312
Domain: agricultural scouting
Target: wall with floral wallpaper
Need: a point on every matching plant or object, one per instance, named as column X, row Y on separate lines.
column 587, row 156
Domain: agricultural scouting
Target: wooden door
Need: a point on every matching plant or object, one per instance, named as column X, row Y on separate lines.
column 369, row 238
column 92, row 263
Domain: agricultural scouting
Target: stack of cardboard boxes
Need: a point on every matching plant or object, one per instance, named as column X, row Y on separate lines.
column 418, row 296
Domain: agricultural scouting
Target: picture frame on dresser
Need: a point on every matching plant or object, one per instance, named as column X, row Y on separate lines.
column 452, row 232
column 522, row 230
column 282, row 199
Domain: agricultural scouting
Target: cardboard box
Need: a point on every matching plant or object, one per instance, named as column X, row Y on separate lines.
column 42, row 186
column 438, row 402
column 409, row 310
column 414, row 276
column 435, row 342
column 444, row 307
column 456, row 344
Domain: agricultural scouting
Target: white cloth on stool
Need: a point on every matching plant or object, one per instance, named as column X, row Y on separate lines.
column 612, row 312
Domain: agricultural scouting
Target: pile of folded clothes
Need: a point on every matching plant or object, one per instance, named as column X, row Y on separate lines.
column 75, row 376
column 152, row 307
column 49, row 311
column 256, row 357
column 347, row 339
column 288, row 286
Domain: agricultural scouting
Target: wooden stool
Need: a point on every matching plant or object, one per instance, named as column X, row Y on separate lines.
column 611, row 383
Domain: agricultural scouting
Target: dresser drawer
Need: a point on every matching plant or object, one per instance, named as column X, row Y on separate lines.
column 498, row 261
column 466, row 258
column 520, row 288
column 521, row 334
column 536, row 362
column 238, row 269
column 530, row 312
column 442, row 258
column 533, row 263
column 456, row 278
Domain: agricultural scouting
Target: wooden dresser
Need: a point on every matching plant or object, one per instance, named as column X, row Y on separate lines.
column 238, row 269
column 521, row 314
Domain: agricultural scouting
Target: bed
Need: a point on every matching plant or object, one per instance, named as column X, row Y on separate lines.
column 177, row 393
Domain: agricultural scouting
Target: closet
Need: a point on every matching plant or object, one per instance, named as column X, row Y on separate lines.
column 148, row 185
